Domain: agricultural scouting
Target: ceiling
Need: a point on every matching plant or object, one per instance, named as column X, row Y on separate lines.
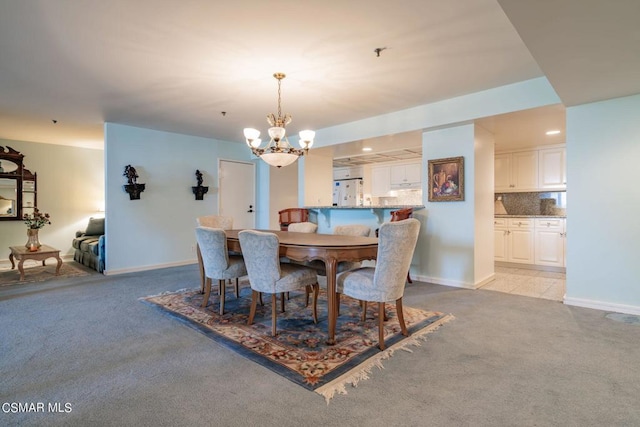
column 204, row 68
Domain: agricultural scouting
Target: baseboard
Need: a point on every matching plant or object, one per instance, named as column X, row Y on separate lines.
column 486, row 280
column 445, row 282
column 601, row 305
column 148, row 267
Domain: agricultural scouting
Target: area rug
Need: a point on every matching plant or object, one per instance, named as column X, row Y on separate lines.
column 299, row 351
column 40, row 273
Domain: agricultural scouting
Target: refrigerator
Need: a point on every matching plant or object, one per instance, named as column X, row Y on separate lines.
column 347, row 192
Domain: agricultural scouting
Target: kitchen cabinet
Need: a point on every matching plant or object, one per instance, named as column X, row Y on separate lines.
column 550, row 243
column 552, row 169
column 347, row 173
column 407, row 175
column 514, row 240
column 380, row 181
column 517, row 171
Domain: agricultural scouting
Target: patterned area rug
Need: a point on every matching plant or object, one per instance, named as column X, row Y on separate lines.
column 39, row 273
column 299, row 351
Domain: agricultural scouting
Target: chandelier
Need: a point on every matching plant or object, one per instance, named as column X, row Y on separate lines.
column 278, row 152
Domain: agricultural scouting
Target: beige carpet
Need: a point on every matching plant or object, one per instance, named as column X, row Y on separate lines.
column 38, row 273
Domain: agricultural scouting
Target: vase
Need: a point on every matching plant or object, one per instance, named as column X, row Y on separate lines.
column 33, row 244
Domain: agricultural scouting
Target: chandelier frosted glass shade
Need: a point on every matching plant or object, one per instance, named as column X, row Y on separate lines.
column 278, row 152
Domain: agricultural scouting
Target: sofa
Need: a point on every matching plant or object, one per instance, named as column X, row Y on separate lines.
column 89, row 245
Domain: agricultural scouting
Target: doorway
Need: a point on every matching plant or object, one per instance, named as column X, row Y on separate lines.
column 236, row 192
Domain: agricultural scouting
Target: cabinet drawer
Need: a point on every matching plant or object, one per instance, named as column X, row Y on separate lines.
column 550, row 224
column 520, row 223
column 499, row 222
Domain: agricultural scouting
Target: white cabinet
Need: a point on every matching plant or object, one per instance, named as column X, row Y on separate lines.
column 380, row 181
column 550, row 241
column 514, row 240
column 347, row 173
column 517, row 171
column 406, row 176
column 552, row 169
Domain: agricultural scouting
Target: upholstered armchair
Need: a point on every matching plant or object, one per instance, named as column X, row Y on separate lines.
column 217, row 262
column 88, row 245
column 384, row 282
column 266, row 274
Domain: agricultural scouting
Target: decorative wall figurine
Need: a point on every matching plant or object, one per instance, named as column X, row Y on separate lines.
column 132, row 187
column 199, row 190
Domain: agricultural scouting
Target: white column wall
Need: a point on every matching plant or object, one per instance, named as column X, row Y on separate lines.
column 603, row 206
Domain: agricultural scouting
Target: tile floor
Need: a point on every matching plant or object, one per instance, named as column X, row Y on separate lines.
column 527, row 282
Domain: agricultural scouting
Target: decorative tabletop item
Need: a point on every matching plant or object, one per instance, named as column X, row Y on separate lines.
column 132, row 187
column 199, row 190
column 35, row 222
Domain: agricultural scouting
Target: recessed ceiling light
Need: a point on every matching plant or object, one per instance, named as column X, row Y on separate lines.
column 366, row 149
column 553, row 132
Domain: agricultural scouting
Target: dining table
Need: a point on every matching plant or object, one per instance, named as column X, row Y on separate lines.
column 328, row 248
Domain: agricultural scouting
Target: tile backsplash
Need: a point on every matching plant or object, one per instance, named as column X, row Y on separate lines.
column 551, row 203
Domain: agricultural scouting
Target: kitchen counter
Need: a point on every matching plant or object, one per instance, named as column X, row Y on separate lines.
column 358, row 211
column 530, row 216
column 416, row 207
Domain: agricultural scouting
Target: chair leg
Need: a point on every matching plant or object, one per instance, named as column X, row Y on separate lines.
column 261, row 302
column 307, row 291
column 207, row 292
column 337, row 305
column 364, row 311
column 237, row 288
column 316, row 291
column 274, row 312
column 254, row 303
column 222, row 284
column 282, row 296
column 381, row 325
column 409, row 278
column 201, row 268
column 403, row 326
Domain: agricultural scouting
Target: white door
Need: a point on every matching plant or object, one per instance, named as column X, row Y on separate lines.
column 236, row 184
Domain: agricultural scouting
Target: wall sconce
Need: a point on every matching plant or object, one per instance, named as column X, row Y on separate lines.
column 132, row 187
column 199, row 190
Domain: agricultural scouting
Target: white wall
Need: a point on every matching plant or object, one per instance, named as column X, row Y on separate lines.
column 484, row 206
column 317, row 180
column 446, row 250
column 70, row 189
column 603, row 231
column 158, row 230
column 283, row 192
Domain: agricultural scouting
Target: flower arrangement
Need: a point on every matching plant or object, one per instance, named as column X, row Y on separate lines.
column 37, row 219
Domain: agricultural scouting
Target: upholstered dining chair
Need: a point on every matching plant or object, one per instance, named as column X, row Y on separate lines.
column 399, row 215
column 217, row 262
column 303, row 227
column 211, row 221
column 384, row 282
column 267, row 274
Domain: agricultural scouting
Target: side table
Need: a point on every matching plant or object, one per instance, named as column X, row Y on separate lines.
column 21, row 253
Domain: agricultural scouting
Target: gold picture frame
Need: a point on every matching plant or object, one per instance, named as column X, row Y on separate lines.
column 445, row 180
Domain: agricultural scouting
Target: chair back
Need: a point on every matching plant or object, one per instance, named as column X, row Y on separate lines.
column 396, row 244
column 353, row 230
column 215, row 221
column 213, row 247
column 292, row 215
column 303, row 227
column 261, row 257
column 401, row 214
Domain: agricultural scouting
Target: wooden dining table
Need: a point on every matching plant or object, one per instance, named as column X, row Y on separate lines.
column 329, row 248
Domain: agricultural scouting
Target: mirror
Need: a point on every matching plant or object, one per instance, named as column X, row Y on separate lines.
column 17, row 186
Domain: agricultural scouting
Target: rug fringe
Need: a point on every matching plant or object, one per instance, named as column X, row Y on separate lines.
column 167, row 293
column 338, row 386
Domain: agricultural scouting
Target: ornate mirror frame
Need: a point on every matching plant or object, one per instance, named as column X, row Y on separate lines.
column 12, row 168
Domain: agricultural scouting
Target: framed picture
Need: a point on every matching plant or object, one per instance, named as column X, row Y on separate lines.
column 446, row 179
